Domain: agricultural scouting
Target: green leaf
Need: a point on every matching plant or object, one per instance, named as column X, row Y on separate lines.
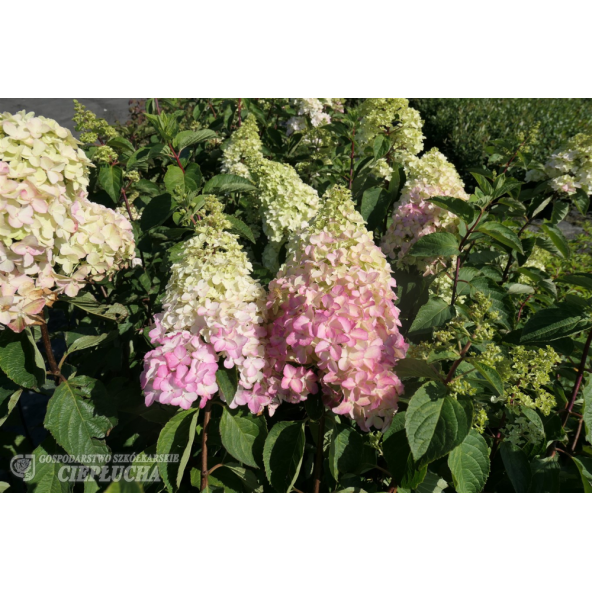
column 583, row 280
column 581, row 201
column 174, row 439
column 122, row 145
column 433, row 313
column 587, row 412
column 557, row 238
column 431, row 483
column 241, row 228
column 46, row 478
column 411, row 368
column 484, row 184
column 397, row 454
column 584, row 465
column 9, row 397
column 187, row 452
column 538, row 204
column 381, row 146
column 138, row 159
column 545, row 475
column 457, row 206
column 348, row 453
column 517, row 466
column 37, row 357
column 502, row 234
column 87, row 341
column 19, row 360
column 437, row 244
column 193, row 174
column 551, row 323
column 176, row 180
column 369, row 201
column 506, row 187
column 560, row 210
column 158, row 210
column 435, row 422
column 491, row 375
column 88, row 303
column 283, row 453
column 243, row 435
column 227, row 379
column 189, row 138
column 514, row 288
column 123, row 486
column 111, row 180
column 79, row 415
column 227, row 184
column 469, row 463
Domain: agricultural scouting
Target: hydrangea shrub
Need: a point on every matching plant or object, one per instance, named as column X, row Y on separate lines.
column 293, row 295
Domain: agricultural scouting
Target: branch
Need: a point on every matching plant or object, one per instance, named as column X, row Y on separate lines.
column 578, row 383
column 204, row 447
column 318, row 466
column 49, row 353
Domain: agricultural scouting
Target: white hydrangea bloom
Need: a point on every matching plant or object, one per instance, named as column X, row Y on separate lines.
column 402, row 123
column 287, row 203
column 52, row 238
column 569, row 168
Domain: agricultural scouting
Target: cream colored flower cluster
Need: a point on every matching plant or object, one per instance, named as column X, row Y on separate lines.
column 211, row 293
column 52, row 238
column 314, row 111
column 569, row 168
column 287, row 203
column 429, row 176
column 402, row 124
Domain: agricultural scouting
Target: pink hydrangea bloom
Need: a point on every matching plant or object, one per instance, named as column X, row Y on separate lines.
column 429, row 176
column 181, row 369
column 211, row 294
column 333, row 320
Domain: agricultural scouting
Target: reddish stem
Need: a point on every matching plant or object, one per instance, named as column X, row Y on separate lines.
column 522, row 306
column 351, row 160
column 456, row 363
column 204, row 446
column 318, row 466
column 53, row 366
column 127, row 205
column 580, row 378
column 460, row 248
column 240, row 105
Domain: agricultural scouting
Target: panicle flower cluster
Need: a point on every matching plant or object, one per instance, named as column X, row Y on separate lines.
column 181, row 369
column 429, row 176
column 52, row 238
column 521, row 431
column 569, row 168
column 211, row 294
column 244, row 150
column 333, row 319
column 314, row 110
column 91, row 126
column 401, row 123
column 287, row 203
column 526, row 372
